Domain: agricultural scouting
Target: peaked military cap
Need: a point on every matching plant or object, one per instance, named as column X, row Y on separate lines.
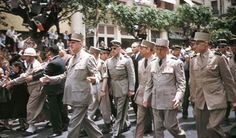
column 162, row 42
column 200, row 36
column 115, row 43
column 147, row 44
column 76, row 37
column 94, row 50
column 176, row 47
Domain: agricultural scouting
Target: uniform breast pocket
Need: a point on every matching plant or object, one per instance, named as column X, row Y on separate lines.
column 120, row 67
column 80, row 67
column 212, row 67
column 167, row 72
column 80, row 70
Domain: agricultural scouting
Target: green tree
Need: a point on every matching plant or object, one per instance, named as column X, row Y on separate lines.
column 223, row 27
column 135, row 19
column 190, row 19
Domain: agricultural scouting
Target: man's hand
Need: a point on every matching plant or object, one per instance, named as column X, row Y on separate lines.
column 8, row 84
column 176, row 103
column 145, row 104
column 29, row 78
column 45, row 79
column 91, row 79
column 234, row 105
column 130, row 93
column 102, row 93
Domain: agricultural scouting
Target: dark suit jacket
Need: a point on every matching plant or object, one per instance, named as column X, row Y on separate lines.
column 54, row 67
column 135, row 61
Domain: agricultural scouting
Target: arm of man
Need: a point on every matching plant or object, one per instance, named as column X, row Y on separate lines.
column 131, row 76
column 92, row 67
column 180, row 83
column 180, row 80
column 148, row 89
column 228, row 80
column 192, row 82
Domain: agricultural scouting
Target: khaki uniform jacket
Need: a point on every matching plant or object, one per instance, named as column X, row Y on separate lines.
column 165, row 83
column 121, row 73
column 77, row 90
column 211, row 81
column 142, row 77
column 232, row 65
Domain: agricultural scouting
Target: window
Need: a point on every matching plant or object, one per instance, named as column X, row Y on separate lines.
column 214, row 6
column 233, row 2
column 123, row 32
column 101, row 29
column 169, row 6
column 110, row 30
column 154, row 35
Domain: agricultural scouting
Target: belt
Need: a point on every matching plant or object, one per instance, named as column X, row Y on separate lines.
column 118, row 78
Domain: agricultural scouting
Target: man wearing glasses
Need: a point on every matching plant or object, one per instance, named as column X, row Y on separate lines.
column 122, row 76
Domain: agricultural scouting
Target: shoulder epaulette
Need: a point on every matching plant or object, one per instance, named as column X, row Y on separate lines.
column 195, row 55
column 175, row 58
column 126, row 56
column 218, row 53
column 154, row 59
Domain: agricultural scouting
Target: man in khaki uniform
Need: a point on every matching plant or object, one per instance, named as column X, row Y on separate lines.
column 105, row 105
column 144, row 115
column 82, row 71
column 212, row 86
column 93, row 107
column 232, row 61
column 37, row 98
column 165, row 89
column 122, row 76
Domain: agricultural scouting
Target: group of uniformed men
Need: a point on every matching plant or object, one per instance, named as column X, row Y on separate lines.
column 91, row 78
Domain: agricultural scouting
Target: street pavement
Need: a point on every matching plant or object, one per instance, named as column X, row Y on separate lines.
column 186, row 124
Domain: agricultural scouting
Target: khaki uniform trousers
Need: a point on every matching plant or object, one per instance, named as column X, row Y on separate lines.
column 35, row 102
column 105, row 107
column 144, row 120
column 80, row 118
column 122, row 104
column 166, row 119
column 208, row 122
column 93, row 107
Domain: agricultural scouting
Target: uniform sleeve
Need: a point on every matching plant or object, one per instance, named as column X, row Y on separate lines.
column 104, row 71
column 92, row 67
column 180, row 80
column 228, row 80
column 131, row 74
column 192, row 82
column 149, row 87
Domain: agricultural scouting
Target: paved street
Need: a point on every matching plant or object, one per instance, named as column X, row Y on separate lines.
column 187, row 125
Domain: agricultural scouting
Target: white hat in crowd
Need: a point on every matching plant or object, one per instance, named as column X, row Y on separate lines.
column 30, row 52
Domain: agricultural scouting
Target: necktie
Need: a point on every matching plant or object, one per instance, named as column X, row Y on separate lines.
column 160, row 62
column 74, row 59
column 145, row 63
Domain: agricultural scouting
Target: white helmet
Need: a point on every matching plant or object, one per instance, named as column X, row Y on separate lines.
column 30, row 52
